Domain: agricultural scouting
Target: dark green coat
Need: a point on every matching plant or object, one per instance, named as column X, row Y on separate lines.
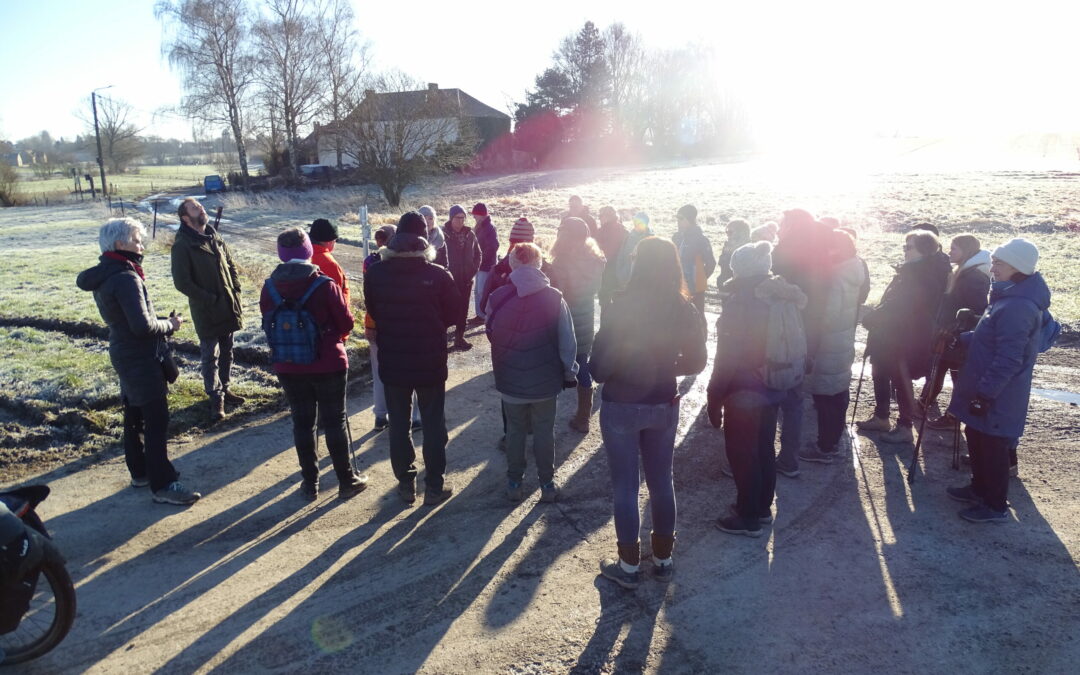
column 203, row 270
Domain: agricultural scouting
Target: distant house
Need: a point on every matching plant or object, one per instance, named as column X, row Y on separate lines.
column 447, row 110
column 12, row 158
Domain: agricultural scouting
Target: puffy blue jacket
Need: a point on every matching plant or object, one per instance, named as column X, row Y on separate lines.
column 1001, row 357
column 488, row 239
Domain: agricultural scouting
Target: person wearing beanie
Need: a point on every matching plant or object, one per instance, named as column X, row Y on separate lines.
column 521, row 232
column 412, row 301
column 434, row 234
column 323, row 235
column 738, row 234
column 738, row 398
column 994, row 384
column 611, row 238
column 900, row 333
column 577, row 267
column 463, row 258
column 203, row 270
column 315, row 391
column 695, row 255
column 650, row 337
column 488, row 239
column 532, row 358
column 577, row 209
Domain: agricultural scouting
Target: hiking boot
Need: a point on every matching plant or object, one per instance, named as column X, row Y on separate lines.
column 789, row 470
column 874, row 424
column 380, row 423
column 217, row 408
column 352, row 486
column 611, row 568
column 417, row 425
column 549, row 492
column 984, row 514
column 436, row 497
column 580, row 421
column 663, row 573
column 899, row 434
column 514, row 491
column 406, row 489
column 461, row 346
column 814, row 455
column 944, row 423
column 139, row 481
column 737, row 525
column 309, row 489
column 176, row 493
column 232, row 399
column 964, row 494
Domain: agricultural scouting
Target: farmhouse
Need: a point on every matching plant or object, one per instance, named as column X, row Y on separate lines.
column 447, row 114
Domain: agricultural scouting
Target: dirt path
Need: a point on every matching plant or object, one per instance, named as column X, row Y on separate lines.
column 859, row 573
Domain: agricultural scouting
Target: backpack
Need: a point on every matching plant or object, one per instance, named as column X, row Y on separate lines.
column 291, row 331
column 785, row 347
column 1049, row 332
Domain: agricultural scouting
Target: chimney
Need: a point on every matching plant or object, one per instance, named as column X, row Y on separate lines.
column 433, row 86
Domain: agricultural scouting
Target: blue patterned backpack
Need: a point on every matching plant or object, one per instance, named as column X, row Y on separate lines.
column 291, row 331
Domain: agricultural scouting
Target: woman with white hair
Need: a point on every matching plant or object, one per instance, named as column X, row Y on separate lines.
column 136, row 346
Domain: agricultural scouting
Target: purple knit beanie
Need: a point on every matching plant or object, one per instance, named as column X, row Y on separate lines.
column 456, row 210
column 303, row 251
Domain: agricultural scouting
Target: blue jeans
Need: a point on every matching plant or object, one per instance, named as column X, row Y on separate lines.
column 628, row 428
column 791, row 418
column 584, row 378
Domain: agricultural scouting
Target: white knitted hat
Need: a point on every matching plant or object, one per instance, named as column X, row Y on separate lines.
column 1020, row 253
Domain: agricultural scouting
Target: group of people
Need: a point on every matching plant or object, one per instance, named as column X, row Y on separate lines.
column 786, row 328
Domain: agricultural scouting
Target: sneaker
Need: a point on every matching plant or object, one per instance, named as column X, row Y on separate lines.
column 232, row 399
column 461, row 346
column 514, row 491
column 309, row 490
column 663, row 573
column 787, row 470
column 549, row 492
column 417, row 425
column 899, row 434
column 874, row 424
column 176, row 493
column 436, row 497
column 766, row 519
column 735, row 525
column 611, row 568
column 964, row 494
column 381, row 423
column 406, row 489
column 352, row 487
column 946, row 422
column 139, row 481
column 984, row 514
column 814, row 455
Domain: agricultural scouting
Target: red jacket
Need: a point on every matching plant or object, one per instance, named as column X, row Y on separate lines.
column 326, row 306
column 330, row 267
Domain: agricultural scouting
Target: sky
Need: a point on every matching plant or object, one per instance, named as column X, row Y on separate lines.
column 829, row 67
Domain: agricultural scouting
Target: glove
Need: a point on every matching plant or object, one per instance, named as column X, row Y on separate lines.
column 715, row 409
column 569, row 384
column 978, row 406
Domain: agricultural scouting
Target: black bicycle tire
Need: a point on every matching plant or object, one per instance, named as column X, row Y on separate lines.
column 56, row 575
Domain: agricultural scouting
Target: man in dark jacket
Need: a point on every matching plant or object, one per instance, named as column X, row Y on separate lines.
column 316, row 390
column 533, row 356
column 413, row 300
column 203, row 270
column 577, row 209
column 462, row 261
column 695, row 255
column 488, row 239
column 611, row 236
column 994, row 385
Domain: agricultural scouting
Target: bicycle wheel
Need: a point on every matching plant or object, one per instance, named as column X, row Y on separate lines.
column 52, row 610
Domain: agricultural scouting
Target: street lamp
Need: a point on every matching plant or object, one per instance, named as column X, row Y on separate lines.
column 100, row 163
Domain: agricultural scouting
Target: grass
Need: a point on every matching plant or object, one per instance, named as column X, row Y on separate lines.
column 136, row 182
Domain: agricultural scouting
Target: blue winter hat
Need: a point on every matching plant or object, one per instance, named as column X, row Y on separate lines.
column 456, row 210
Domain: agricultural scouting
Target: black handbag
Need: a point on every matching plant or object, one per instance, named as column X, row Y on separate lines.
column 167, row 359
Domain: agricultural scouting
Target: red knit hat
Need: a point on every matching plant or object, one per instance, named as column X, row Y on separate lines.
column 480, row 209
column 522, row 231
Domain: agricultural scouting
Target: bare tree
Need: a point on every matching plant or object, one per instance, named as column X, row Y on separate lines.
column 8, row 189
column 211, row 46
column 345, row 63
column 402, row 132
column 625, row 57
column 290, row 68
column 119, row 136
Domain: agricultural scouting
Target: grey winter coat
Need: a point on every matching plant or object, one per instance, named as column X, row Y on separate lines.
column 831, row 371
column 462, row 253
column 579, row 280
column 136, row 335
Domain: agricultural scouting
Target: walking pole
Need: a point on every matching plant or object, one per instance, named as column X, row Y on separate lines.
column 858, row 389
column 956, row 444
column 938, row 350
column 348, row 433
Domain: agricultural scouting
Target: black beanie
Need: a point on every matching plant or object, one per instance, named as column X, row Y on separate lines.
column 323, row 230
column 412, row 223
column 689, row 212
